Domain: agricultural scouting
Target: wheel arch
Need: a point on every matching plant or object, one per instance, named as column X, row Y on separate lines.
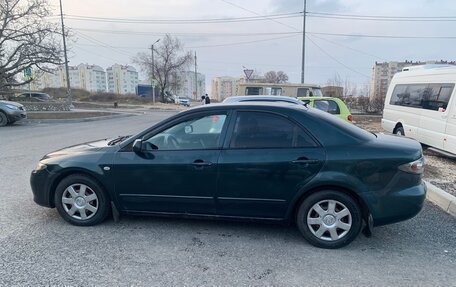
column 398, row 125
column 364, row 208
column 66, row 173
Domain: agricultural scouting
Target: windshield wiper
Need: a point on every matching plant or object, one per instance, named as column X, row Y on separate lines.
column 118, row 140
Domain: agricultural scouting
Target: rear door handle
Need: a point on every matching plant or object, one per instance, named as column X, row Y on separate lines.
column 201, row 163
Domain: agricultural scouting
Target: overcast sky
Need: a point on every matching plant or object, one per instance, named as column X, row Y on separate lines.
column 222, row 51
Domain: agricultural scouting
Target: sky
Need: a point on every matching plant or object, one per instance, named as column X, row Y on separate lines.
column 224, row 49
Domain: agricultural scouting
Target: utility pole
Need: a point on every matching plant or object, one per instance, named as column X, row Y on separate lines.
column 153, row 71
column 196, row 81
column 67, row 73
column 303, row 43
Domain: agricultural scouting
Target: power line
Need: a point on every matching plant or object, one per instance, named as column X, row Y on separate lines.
column 263, row 16
column 78, row 46
column 129, row 32
column 182, row 21
column 97, row 44
column 381, row 36
column 241, row 43
column 380, row 19
column 350, row 48
column 381, row 16
column 102, row 44
column 260, row 34
column 335, row 59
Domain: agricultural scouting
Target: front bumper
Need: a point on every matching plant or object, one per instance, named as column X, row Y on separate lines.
column 16, row 115
column 41, row 186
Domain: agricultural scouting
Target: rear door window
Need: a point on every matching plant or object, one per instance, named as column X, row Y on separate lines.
column 267, row 130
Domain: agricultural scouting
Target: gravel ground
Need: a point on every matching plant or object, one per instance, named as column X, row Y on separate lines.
column 439, row 170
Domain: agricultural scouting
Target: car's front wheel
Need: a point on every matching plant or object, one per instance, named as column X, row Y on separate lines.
column 329, row 219
column 81, row 201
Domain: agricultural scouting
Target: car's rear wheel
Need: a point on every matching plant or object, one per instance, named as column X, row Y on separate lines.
column 81, row 201
column 329, row 219
column 399, row 131
column 3, row 119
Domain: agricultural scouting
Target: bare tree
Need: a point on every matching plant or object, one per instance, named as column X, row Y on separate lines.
column 282, row 77
column 275, row 77
column 168, row 61
column 270, row 77
column 27, row 39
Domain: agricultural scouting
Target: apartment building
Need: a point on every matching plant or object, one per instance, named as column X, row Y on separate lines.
column 88, row 77
column 122, row 79
column 223, row 87
column 183, row 84
column 382, row 73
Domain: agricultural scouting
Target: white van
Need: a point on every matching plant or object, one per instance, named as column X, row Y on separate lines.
column 420, row 103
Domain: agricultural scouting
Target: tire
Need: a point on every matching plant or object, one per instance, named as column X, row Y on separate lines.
column 85, row 204
column 399, row 131
column 325, row 228
column 3, row 119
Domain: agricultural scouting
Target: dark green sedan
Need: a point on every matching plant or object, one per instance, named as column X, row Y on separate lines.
column 253, row 161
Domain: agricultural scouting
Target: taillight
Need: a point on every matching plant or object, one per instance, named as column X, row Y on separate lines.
column 350, row 118
column 415, row 167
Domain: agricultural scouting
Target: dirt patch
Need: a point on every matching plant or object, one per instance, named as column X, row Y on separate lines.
column 370, row 123
column 65, row 115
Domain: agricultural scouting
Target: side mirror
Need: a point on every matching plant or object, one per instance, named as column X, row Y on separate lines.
column 137, row 146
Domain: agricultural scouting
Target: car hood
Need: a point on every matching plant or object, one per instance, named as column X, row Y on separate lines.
column 94, row 146
column 11, row 103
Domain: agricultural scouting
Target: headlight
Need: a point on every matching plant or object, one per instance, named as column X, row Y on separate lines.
column 12, row 107
column 40, row 166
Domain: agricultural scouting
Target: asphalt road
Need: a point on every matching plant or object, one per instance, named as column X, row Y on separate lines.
column 38, row 248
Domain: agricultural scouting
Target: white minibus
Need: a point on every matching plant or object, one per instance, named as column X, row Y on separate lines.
column 420, row 103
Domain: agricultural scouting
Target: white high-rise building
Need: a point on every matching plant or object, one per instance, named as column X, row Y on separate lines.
column 185, row 85
column 122, row 79
column 92, row 78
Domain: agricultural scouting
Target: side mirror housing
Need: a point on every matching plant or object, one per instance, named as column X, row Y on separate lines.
column 137, row 146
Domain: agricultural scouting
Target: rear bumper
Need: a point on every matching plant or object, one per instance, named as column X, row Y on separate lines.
column 398, row 206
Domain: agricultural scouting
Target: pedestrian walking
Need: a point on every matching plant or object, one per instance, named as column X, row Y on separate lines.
column 203, row 100
column 207, row 100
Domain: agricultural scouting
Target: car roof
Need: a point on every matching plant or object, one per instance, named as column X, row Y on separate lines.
column 252, row 104
column 318, row 98
column 260, row 98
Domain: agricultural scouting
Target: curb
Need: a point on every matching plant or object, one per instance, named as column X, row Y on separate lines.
column 442, row 199
column 80, row 120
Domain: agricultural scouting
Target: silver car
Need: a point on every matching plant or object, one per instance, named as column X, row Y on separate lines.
column 263, row 99
column 11, row 112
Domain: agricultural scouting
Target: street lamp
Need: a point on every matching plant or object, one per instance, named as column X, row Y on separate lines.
column 153, row 72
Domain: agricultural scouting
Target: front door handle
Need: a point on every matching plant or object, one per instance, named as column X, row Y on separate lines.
column 201, row 163
column 305, row 160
